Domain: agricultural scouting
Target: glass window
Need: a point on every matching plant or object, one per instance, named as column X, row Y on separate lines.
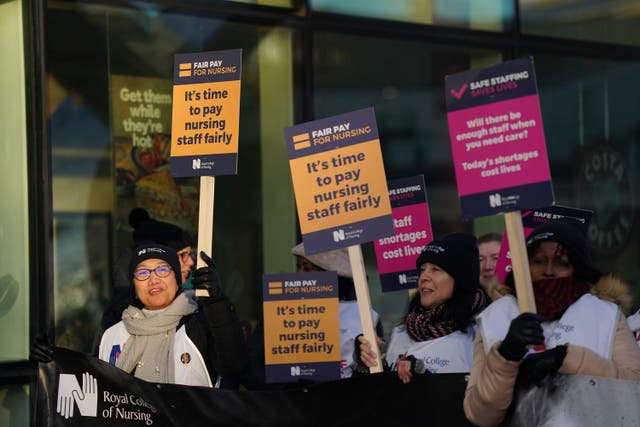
column 14, row 411
column 404, row 82
column 589, row 109
column 111, row 151
column 493, row 15
column 277, row 3
column 611, row 21
column 14, row 262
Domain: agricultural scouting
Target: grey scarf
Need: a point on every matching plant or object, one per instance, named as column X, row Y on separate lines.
column 149, row 349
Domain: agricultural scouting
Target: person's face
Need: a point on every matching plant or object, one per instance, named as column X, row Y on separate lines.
column 435, row 285
column 549, row 263
column 155, row 292
column 489, row 252
column 186, row 262
column 304, row 266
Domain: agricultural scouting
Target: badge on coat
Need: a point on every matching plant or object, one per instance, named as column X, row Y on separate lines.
column 185, row 358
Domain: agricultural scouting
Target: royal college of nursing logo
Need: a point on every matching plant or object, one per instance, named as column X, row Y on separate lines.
column 606, row 188
column 115, row 406
column 70, row 395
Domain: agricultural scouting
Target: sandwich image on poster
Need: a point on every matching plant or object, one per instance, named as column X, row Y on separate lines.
column 339, row 181
column 206, row 113
column 301, row 326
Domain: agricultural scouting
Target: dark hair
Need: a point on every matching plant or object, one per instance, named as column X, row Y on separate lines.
column 491, row 236
column 459, row 308
column 346, row 289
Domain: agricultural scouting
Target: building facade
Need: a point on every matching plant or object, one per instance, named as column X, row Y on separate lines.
column 86, row 122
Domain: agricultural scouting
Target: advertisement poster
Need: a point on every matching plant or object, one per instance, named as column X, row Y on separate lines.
column 339, row 181
column 206, row 113
column 141, row 115
column 497, row 139
column 301, row 326
column 530, row 220
column 396, row 255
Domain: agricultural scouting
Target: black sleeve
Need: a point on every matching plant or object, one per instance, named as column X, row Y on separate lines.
column 216, row 331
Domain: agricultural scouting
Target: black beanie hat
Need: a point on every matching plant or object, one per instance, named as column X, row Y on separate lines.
column 569, row 232
column 156, row 251
column 572, row 235
column 164, row 233
column 457, row 254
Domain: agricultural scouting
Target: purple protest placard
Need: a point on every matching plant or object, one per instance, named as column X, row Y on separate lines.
column 396, row 255
column 497, row 139
column 530, row 220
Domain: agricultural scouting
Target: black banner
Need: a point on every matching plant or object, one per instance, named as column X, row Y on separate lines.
column 79, row 390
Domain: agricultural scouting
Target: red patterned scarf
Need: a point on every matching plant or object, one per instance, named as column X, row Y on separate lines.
column 424, row 324
column 554, row 296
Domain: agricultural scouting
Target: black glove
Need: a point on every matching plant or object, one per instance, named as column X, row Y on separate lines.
column 524, row 330
column 417, row 367
column 207, row 278
column 41, row 349
column 358, row 367
column 538, row 366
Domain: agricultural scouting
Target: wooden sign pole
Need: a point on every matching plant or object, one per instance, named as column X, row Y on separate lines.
column 520, row 262
column 205, row 223
column 364, row 302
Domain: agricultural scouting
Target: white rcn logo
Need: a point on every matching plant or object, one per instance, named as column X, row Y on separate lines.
column 69, row 392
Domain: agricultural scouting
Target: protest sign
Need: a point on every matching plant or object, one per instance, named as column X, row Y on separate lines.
column 497, row 139
column 499, row 152
column 205, row 126
column 396, row 255
column 530, row 220
column 206, row 112
column 301, row 326
column 341, row 193
column 339, row 181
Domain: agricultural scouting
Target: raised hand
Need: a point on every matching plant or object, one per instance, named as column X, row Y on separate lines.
column 41, row 349
column 207, row 278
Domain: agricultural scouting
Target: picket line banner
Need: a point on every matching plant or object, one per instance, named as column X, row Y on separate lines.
column 93, row 393
column 497, row 139
column 76, row 389
column 530, row 220
column 206, row 113
column 301, row 326
column 396, row 255
column 339, row 181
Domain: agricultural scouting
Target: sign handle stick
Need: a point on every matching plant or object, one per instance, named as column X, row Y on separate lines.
column 520, row 262
column 364, row 302
column 205, row 223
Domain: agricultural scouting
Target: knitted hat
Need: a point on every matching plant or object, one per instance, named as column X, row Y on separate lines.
column 335, row 260
column 457, row 254
column 156, row 251
column 149, row 230
column 569, row 232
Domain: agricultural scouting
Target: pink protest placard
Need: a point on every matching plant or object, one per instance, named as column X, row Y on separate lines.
column 497, row 139
column 396, row 255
